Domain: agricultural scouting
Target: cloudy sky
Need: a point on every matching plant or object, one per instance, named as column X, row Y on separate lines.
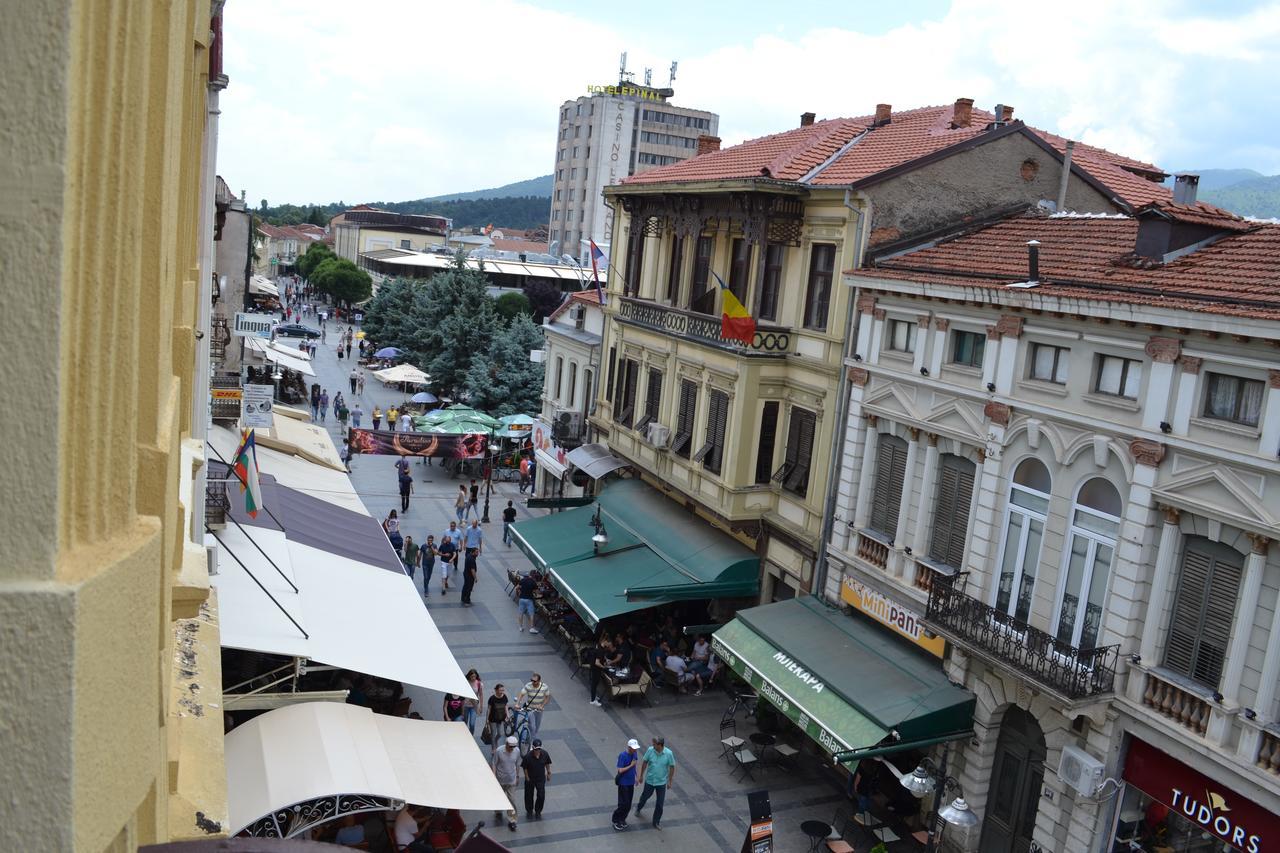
column 386, row 100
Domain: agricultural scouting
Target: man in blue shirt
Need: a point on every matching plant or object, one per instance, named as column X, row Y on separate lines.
column 473, row 536
column 658, row 769
column 626, row 781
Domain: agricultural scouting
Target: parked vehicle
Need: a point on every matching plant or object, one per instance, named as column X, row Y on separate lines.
column 296, row 330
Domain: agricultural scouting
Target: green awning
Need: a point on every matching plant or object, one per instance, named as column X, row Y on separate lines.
column 656, row 553
column 846, row 682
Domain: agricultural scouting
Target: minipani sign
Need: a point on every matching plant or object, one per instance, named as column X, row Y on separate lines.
column 892, row 615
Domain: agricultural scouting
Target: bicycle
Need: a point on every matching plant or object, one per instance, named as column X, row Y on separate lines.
column 746, row 701
column 518, row 725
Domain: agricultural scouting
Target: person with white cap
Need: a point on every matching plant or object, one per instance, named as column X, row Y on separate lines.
column 625, row 779
column 506, row 769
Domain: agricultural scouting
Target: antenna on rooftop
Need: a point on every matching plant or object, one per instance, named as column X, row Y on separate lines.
column 671, row 77
column 623, row 74
column 648, row 77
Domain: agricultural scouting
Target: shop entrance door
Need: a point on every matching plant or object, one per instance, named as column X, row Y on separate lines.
column 1016, row 779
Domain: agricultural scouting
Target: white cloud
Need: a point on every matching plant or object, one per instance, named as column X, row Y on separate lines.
column 399, row 99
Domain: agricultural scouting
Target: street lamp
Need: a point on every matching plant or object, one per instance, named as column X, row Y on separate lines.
column 488, row 479
column 928, row 777
column 601, row 536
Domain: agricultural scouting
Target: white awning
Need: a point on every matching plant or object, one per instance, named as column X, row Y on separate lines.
column 402, row 373
column 549, row 463
column 595, row 460
column 261, row 284
column 282, row 355
column 305, row 752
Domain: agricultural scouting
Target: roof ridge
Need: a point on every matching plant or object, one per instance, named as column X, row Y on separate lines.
column 807, row 143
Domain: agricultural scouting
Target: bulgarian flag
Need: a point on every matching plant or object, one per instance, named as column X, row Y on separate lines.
column 597, row 258
column 246, row 468
column 736, row 323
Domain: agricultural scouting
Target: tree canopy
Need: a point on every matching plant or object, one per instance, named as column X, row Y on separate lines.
column 342, row 280
column 316, row 253
column 501, row 379
column 512, row 304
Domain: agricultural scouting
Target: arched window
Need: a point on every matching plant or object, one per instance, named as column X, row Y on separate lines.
column 573, row 384
column 1095, row 525
column 559, row 376
column 1023, row 533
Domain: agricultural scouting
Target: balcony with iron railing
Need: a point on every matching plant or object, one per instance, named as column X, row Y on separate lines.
column 1070, row 672
column 768, row 341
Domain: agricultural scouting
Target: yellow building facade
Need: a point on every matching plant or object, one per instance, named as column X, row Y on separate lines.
column 110, row 728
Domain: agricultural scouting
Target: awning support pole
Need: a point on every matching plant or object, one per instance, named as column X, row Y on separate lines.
column 875, row 751
column 245, row 532
column 305, row 635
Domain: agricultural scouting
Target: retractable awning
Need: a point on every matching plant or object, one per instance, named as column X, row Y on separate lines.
column 656, row 552
column 281, row 763
column 281, row 355
column 595, row 460
column 847, row 683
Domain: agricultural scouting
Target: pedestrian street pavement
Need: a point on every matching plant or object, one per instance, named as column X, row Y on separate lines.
column 706, row 808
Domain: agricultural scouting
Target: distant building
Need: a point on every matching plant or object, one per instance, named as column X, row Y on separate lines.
column 573, row 335
column 279, row 246
column 368, row 229
column 231, row 267
column 606, row 135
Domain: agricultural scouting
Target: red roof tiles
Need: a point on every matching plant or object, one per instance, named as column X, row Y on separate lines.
column 909, row 135
column 1092, row 258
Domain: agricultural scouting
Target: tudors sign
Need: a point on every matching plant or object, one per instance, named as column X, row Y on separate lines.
column 1218, row 810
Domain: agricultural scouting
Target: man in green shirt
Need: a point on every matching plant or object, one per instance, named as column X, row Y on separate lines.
column 410, row 556
column 658, row 768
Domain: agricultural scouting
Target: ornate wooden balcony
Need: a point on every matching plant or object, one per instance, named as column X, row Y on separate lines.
column 769, row 341
column 1071, row 672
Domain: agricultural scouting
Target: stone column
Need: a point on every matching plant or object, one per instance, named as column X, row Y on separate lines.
column 877, row 336
column 866, row 476
column 1009, row 328
column 854, row 460
column 922, row 343
column 1158, row 596
column 905, row 505
column 991, row 356
column 940, row 326
column 866, row 303
column 1265, row 702
column 1269, row 442
column 1163, row 352
column 1184, row 405
column 928, row 484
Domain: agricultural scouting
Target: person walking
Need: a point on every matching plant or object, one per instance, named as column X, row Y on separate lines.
column 377, row 418
column 460, row 502
column 473, row 701
column 353, row 377
column 315, row 402
column 496, row 716
column 473, row 502
column 391, row 525
column 345, row 454
column 360, row 383
column 348, row 346
column 455, row 707
column 469, row 572
column 625, row 779
column 524, row 474
column 508, row 518
column 392, row 415
column 342, row 413
column 411, row 556
column 356, row 415
column 506, row 769
column 524, row 604
column 406, row 489
column 406, row 422
column 448, row 552
column 427, row 557
column 534, row 696
column 658, row 769
column 324, row 404
column 537, row 773
column 337, row 403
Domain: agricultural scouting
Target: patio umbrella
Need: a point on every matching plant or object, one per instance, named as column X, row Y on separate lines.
column 518, row 420
column 402, row 373
column 453, row 427
column 387, row 352
column 424, row 397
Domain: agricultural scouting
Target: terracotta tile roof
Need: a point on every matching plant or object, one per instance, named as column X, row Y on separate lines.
column 588, row 296
column 909, row 135
column 1091, row 257
column 509, row 245
column 1201, row 213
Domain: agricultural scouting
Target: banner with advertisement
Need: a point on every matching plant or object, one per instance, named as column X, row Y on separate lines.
column 550, row 455
column 371, row 442
column 903, row 621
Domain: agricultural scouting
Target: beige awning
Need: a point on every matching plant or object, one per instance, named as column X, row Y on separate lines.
column 262, row 284
column 294, row 359
column 301, row 753
column 402, row 373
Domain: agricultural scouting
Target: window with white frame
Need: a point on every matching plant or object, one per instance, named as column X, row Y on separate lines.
column 1118, row 377
column 1233, row 398
column 1023, row 534
column 559, row 376
column 902, row 335
column 1050, row 363
column 968, row 348
column 1091, row 547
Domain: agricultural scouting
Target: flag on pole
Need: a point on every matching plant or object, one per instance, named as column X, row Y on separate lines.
column 736, row 323
column 598, row 258
column 246, row 468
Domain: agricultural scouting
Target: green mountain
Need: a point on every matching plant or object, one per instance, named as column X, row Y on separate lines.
column 533, row 187
column 1258, row 196
column 1217, row 179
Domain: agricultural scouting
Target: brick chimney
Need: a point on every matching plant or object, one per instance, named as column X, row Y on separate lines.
column 1006, row 113
column 707, row 144
column 806, row 119
column 883, row 113
column 963, row 112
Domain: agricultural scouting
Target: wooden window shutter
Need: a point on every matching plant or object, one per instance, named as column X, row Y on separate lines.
column 891, row 468
column 652, row 399
column 951, row 511
column 1203, row 611
column 799, row 451
column 768, row 437
column 684, row 423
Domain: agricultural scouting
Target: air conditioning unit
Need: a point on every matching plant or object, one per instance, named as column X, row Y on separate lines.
column 566, row 426
column 1080, row 770
column 579, row 315
column 658, row 435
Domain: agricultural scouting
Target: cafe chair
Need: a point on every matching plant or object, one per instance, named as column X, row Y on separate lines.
column 633, row 688
column 730, row 742
column 844, row 826
column 746, row 759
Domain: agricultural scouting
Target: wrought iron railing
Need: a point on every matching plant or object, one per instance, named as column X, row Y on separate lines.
column 216, row 503
column 768, row 340
column 1067, row 670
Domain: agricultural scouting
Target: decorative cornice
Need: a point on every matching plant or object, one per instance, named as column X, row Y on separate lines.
column 878, row 313
column 1147, row 452
column 993, row 333
column 858, row 376
column 872, row 420
column 999, row 413
column 1164, row 350
column 941, row 324
column 1009, row 326
column 866, row 303
column 1260, row 543
column 1172, row 515
column 922, row 321
column 1190, row 364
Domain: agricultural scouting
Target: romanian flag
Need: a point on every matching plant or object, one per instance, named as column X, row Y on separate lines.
column 597, row 258
column 736, row 324
column 246, row 468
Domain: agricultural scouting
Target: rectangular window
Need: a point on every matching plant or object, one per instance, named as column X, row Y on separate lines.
column 822, row 263
column 701, row 274
column 968, row 348
column 1203, row 609
column 684, row 418
column 739, row 268
column 902, row 335
column 588, row 149
column 404, row 244
column 558, row 195
column 575, row 151
column 629, row 377
column 613, row 359
column 951, row 511
column 559, row 376
column 635, row 257
column 711, row 454
column 768, row 435
column 886, row 496
column 794, row 473
column 1119, row 377
column 573, row 383
column 1232, row 398
column 573, row 172
column 673, row 272
column 771, row 285
column 1049, row 363
column 652, row 400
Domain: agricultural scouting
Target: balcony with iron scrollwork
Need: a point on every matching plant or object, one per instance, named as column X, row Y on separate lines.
column 1068, row 671
column 768, row 342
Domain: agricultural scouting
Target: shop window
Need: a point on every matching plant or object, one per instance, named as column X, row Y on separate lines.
column 1023, row 534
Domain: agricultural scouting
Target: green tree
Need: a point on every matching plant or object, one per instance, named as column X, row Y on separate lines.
column 342, row 280
column 316, row 254
column 512, row 304
column 453, row 318
column 388, row 319
column 501, row 379
column 544, row 296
